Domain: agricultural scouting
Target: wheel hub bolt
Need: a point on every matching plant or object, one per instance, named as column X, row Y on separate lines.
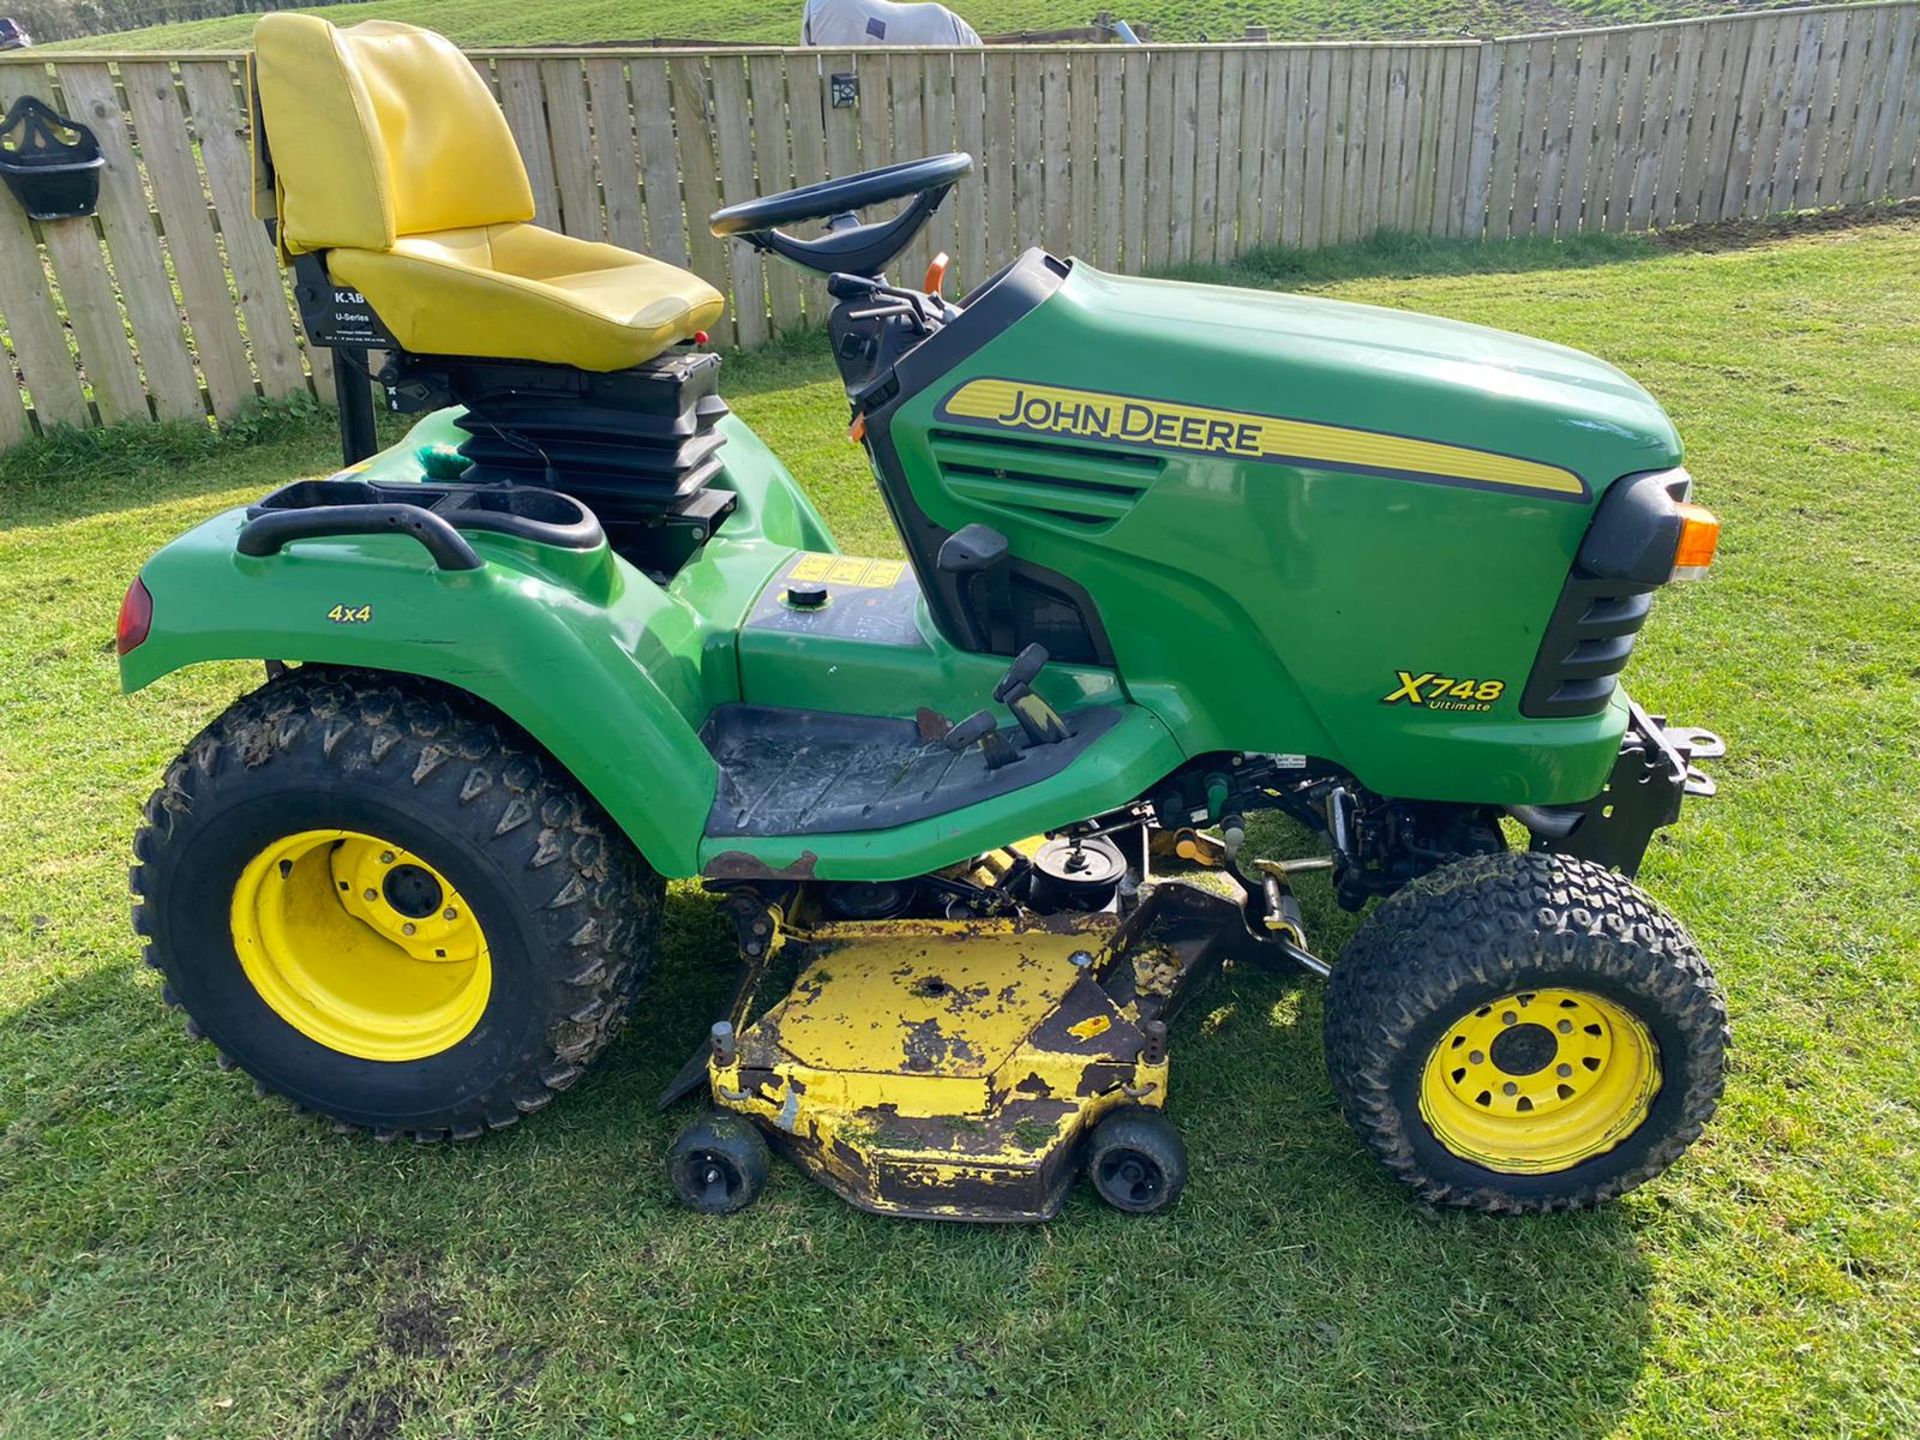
column 407, row 929
column 1565, row 1027
column 1563, row 1071
column 386, row 857
column 372, row 894
column 449, row 914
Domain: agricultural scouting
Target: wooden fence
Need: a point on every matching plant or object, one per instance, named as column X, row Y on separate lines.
column 1138, row 159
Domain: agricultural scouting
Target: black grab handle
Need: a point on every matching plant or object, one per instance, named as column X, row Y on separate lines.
column 266, row 534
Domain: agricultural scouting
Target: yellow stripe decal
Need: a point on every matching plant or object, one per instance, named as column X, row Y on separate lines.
column 1196, row 429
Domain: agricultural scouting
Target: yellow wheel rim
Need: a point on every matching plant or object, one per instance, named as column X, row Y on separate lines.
column 1539, row 1081
column 360, row 945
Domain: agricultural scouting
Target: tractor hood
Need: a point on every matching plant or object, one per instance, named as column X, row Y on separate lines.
column 1392, row 371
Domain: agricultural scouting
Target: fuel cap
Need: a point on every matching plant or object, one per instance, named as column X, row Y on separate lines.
column 806, row 595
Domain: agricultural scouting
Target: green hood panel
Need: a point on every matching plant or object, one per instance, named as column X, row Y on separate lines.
column 1393, row 371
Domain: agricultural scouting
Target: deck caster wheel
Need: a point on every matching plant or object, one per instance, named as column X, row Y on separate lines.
column 718, row 1164
column 1137, row 1161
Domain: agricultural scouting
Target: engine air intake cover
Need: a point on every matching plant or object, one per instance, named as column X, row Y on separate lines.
column 1627, row 555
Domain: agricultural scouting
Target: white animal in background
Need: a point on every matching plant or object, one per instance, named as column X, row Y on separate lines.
column 840, row 23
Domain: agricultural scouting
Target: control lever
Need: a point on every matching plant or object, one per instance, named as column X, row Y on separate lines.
column 1015, row 691
column 977, row 556
column 983, row 729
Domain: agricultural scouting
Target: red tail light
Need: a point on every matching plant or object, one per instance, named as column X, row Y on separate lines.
column 136, row 617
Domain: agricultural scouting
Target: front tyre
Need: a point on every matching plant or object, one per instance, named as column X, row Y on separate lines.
column 384, row 903
column 1523, row 1033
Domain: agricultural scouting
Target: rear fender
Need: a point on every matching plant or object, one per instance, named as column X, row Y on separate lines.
column 594, row 661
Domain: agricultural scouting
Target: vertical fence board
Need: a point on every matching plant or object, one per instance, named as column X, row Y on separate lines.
column 1722, row 70
column 1110, row 173
column 937, row 114
column 1895, row 78
column 1658, row 112
column 1333, row 155
column 1775, row 97
column 911, row 100
column 1528, row 151
column 804, row 78
column 1249, row 156
column 1029, row 117
column 1360, row 118
column 1206, row 152
column 1002, row 156
column 695, row 125
column 1214, row 228
column 1446, row 104
column 256, row 268
column 1906, row 144
column 1281, row 201
column 841, row 125
column 1135, row 148
column 970, row 200
column 1724, row 194
column 1083, row 143
column 1420, row 161
column 618, row 153
column 734, row 150
column 776, row 168
column 659, row 161
column 1633, row 114
column 1186, row 80
column 33, row 323
column 1557, row 137
column 1571, row 201
column 138, row 262
column 1799, row 113
column 1056, row 195
column 1689, row 85
column 1834, row 43
column 570, row 143
column 1388, row 119
column 1511, row 58
column 1866, row 43
column 87, row 295
column 522, row 100
column 190, row 239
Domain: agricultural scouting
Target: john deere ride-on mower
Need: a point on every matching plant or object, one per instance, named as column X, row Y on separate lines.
column 1175, row 555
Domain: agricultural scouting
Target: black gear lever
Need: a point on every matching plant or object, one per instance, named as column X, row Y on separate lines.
column 1015, row 691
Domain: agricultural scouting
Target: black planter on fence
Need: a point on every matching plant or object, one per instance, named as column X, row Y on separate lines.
column 52, row 164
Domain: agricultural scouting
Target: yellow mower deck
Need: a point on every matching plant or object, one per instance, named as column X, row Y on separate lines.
column 948, row 1069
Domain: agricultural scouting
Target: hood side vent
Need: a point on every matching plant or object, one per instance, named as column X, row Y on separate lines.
column 1080, row 485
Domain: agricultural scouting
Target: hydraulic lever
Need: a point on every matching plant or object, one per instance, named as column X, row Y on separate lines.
column 1040, row 720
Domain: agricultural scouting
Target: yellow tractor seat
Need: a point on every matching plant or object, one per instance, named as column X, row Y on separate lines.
column 386, row 154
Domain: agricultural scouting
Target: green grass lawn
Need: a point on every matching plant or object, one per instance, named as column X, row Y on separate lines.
column 180, row 1258
column 509, row 22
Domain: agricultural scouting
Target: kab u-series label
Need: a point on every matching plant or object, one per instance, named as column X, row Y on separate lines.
column 1235, row 434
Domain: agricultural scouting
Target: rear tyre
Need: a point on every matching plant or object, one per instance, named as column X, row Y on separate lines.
column 1524, row 1033
column 383, row 902
column 1137, row 1161
column 718, row 1164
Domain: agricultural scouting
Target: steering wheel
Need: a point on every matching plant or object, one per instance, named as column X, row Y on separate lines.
column 848, row 247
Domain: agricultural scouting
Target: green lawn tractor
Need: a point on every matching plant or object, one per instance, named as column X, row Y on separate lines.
column 1175, row 556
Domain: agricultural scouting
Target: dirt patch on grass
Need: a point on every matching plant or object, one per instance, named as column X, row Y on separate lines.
column 1744, row 234
column 415, row 1329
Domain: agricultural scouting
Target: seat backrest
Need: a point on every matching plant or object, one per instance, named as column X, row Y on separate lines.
column 377, row 131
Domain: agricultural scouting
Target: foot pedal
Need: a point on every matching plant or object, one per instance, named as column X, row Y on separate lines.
column 980, row 728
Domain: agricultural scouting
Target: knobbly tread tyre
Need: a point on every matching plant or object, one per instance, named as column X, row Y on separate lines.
column 1492, row 925
column 585, row 904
